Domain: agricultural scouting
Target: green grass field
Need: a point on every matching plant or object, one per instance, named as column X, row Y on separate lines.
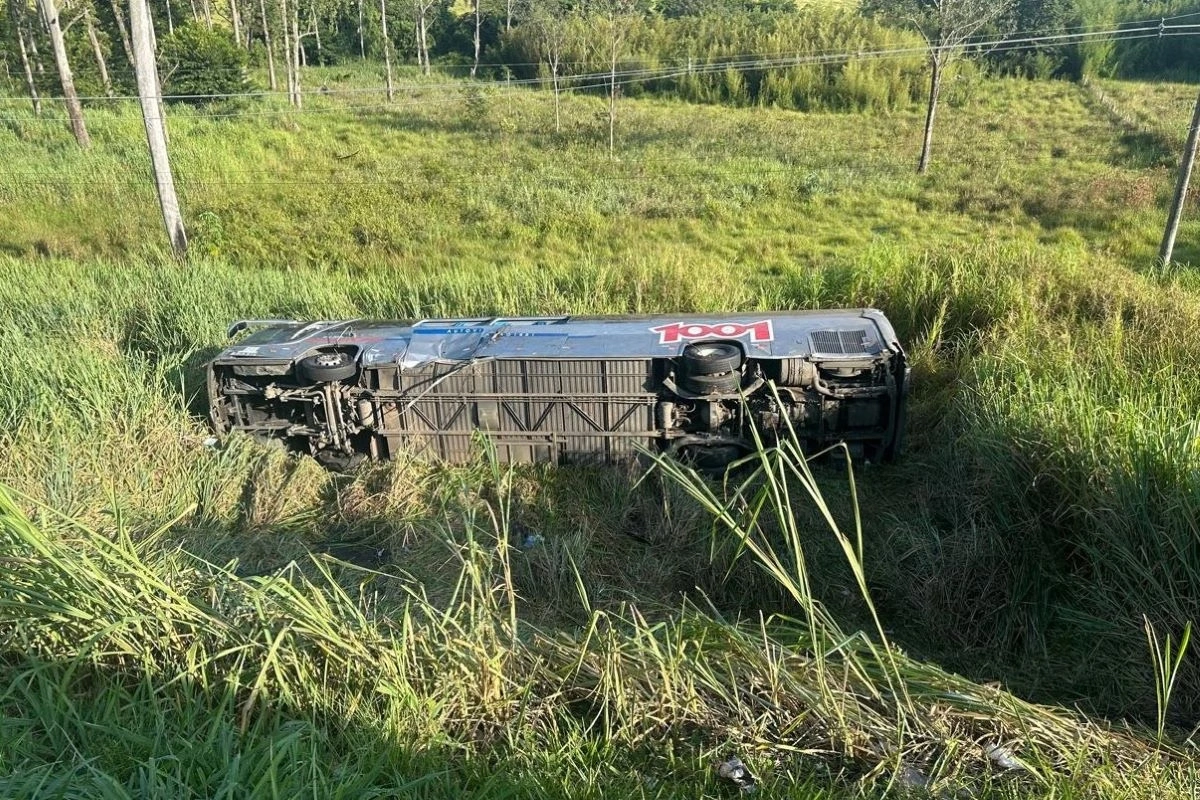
column 182, row 620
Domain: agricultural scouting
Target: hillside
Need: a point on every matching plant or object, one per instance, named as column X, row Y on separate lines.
column 181, row 618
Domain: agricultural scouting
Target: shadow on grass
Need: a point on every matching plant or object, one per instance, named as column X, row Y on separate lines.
column 577, row 539
column 1187, row 254
column 493, row 124
column 74, row 730
column 182, row 366
column 1145, row 149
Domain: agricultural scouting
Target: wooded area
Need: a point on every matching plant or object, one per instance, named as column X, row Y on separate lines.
column 205, row 46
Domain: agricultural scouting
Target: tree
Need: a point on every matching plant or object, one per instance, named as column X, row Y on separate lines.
column 476, row 40
column 97, row 51
column 291, row 51
column 615, row 18
column 948, row 26
column 294, row 54
column 235, row 19
column 423, row 9
column 170, row 18
column 119, row 20
column 17, row 19
column 1046, row 59
column 200, row 64
column 273, row 82
column 387, row 50
column 70, row 97
column 553, row 32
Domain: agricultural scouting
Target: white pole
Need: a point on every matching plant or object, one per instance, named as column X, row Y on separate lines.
column 150, row 96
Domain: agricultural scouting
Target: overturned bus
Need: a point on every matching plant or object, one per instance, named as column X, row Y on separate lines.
column 565, row 389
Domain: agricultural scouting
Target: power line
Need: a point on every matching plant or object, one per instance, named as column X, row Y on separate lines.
column 600, row 80
column 683, row 61
column 1000, row 47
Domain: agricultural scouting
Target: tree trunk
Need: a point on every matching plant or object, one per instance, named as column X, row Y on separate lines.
column 119, row 16
column 153, row 35
column 554, row 77
column 317, row 34
column 35, row 56
column 206, row 5
column 28, row 70
column 935, row 91
column 417, row 32
column 273, row 81
column 236, row 20
column 508, row 15
column 298, row 51
column 612, row 101
column 362, row 44
column 288, row 64
column 14, row 14
column 387, row 50
column 423, row 38
column 98, row 51
column 71, row 99
column 478, row 18
column 170, row 22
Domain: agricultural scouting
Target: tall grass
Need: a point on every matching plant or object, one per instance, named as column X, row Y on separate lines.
column 355, row 184
column 341, row 649
column 1041, row 513
column 672, row 45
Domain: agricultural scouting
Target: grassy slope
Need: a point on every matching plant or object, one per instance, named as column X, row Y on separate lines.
column 1040, row 353
column 425, row 183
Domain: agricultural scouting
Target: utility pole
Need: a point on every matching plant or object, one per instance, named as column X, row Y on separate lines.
column 150, row 96
column 1167, row 250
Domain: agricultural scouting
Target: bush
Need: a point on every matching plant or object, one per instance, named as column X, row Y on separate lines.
column 1170, row 57
column 197, row 63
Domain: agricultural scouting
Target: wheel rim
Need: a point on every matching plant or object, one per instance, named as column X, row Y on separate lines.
column 330, row 359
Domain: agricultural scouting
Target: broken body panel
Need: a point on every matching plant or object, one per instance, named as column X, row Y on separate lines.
column 562, row 389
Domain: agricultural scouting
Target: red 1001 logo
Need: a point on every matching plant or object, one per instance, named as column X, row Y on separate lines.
column 690, row 331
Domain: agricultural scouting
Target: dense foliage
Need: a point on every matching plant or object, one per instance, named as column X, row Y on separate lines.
column 1171, row 57
column 682, row 37
column 712, row 59
column 197, row 63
